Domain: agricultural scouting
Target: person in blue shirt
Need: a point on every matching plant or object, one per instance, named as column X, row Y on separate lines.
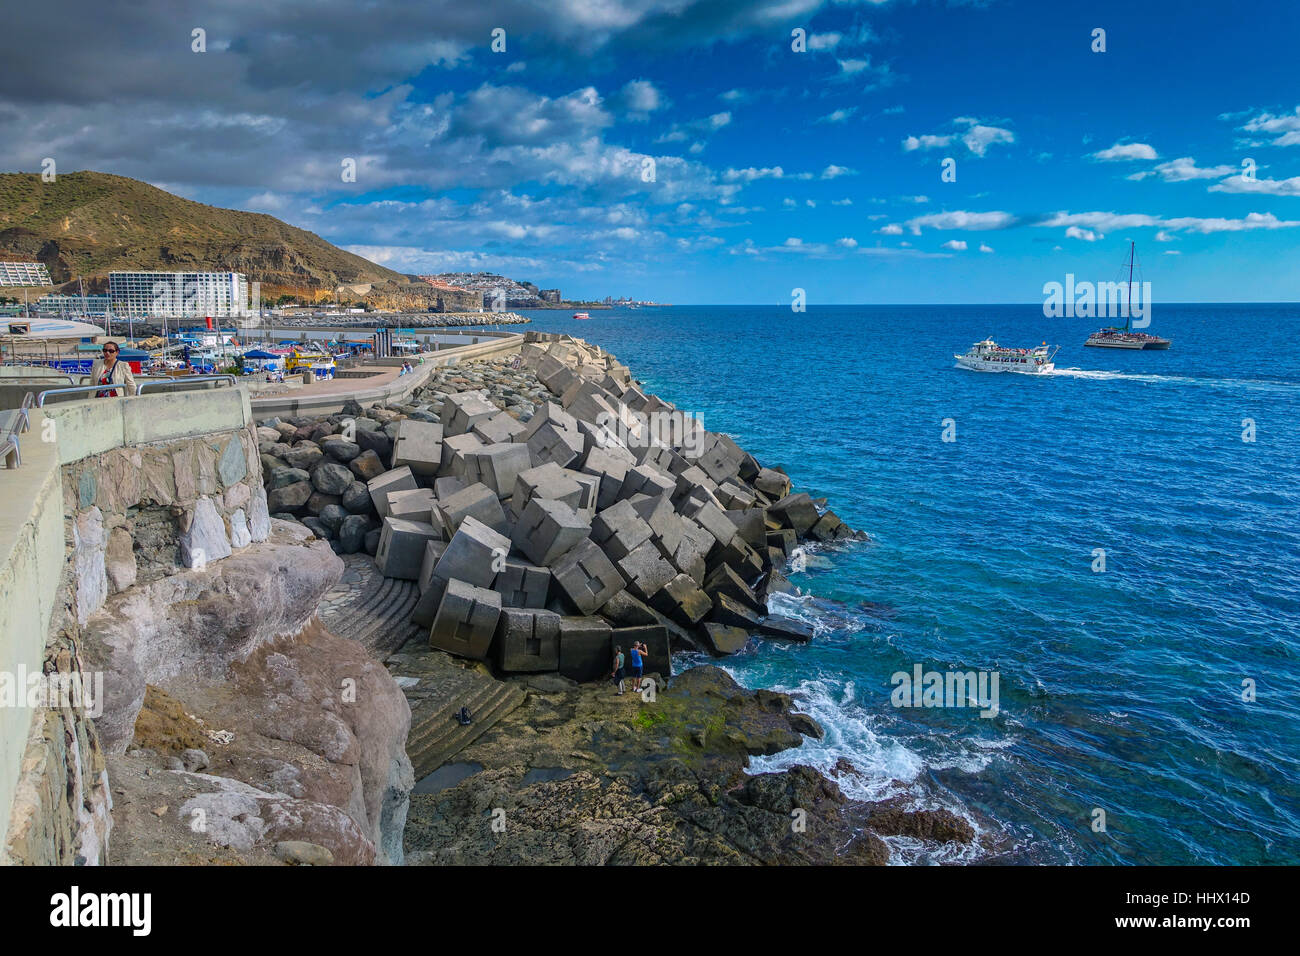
column 636, row 654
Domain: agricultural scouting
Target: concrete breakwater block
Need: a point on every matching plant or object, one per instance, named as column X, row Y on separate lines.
column 547, row 481
column 401, row 547
column 722, row 639
column 775, row 484
column 610, row 469
column 454, row 450
column 474, row 554
column 418, row 445
column 618, row 530
column 464, row 410
column 552, row 435
column 666, row 528
column 727, row 610
column 645, row 571
column 796, row 511
column 528, row 640
column 399, row 479
column 466, row 621
column 477, row 501
column 547, row 529
column 587, row 577
column 747, row 562
column 521, row 584
column 785, row 629
column 411, row 504
column 585, row 648
column 723, row 579
column 692, row 552
column 498, row 466
column 501, row 428
column 657, row 657
column 555, row 374
column 431, row 586
column 682, row 600
column 647, row 480
column 751, row 525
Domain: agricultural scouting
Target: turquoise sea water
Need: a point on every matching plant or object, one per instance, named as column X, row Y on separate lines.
column 1119, row 690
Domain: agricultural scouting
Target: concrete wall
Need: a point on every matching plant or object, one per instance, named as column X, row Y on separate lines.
column 46, row 785
column 94, row 426
column 31, row 569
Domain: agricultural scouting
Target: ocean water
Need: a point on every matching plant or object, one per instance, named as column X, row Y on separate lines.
column 1120, row 690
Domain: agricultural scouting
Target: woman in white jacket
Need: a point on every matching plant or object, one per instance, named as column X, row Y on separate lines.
column 109, row 370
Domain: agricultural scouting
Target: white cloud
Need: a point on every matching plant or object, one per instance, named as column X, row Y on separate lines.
column 926, row 141
column 956, row 245
column 1125, row 151
column 847, row 242
column 839, row 115
column 893, row 229
column 985, row 248
column 824, row 41
column 834, row 172
column 842, row 202
column 977, row 138
column 975, row 221
column 751, row 173
column 1087, row 235
column 1113, row 222
column 853, row 66
column 1184, row 168
column 640, row 98
column 1286, row 126
column 1266, row 187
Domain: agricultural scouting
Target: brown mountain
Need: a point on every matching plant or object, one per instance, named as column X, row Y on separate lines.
column 86, row 224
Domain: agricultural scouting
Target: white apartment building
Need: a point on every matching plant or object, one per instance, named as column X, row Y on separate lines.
column 24, row 273
column 147, row 295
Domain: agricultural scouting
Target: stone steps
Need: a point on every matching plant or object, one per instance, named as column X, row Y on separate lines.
column 444, row 687
column 372, row 610
column 435, row 747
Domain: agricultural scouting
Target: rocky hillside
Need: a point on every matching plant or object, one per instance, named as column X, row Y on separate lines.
column 87, row 224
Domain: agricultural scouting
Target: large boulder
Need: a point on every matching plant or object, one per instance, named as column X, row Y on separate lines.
column 331, row 478
column 289, row 497
column 305, row 455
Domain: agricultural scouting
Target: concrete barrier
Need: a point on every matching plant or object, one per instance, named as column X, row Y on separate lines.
column 31, row 568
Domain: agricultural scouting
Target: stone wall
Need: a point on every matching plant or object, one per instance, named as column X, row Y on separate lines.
column 139, row 512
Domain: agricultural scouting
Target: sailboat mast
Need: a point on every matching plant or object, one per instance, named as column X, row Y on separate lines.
column 1128, row 312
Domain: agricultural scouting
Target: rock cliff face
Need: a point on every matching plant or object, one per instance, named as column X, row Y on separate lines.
column 254, row 734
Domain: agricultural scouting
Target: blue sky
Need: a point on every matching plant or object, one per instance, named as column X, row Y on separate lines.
column 773, row 169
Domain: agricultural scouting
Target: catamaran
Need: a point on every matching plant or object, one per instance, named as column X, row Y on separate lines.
column 1113, row 337
column 988, row 356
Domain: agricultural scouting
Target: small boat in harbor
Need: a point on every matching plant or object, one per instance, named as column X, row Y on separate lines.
column 988, row 356
column 581, row 315
column 1113, row 337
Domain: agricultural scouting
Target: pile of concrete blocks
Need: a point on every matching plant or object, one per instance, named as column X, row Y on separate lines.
column 609, row 517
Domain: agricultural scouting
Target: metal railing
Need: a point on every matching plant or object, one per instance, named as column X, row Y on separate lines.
column 180, row 380
column 75, row 389
column 11, row 452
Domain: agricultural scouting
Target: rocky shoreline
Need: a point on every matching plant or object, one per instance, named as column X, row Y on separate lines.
column 538, row 522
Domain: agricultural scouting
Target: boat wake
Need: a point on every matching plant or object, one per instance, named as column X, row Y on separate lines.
column 1101, row 375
